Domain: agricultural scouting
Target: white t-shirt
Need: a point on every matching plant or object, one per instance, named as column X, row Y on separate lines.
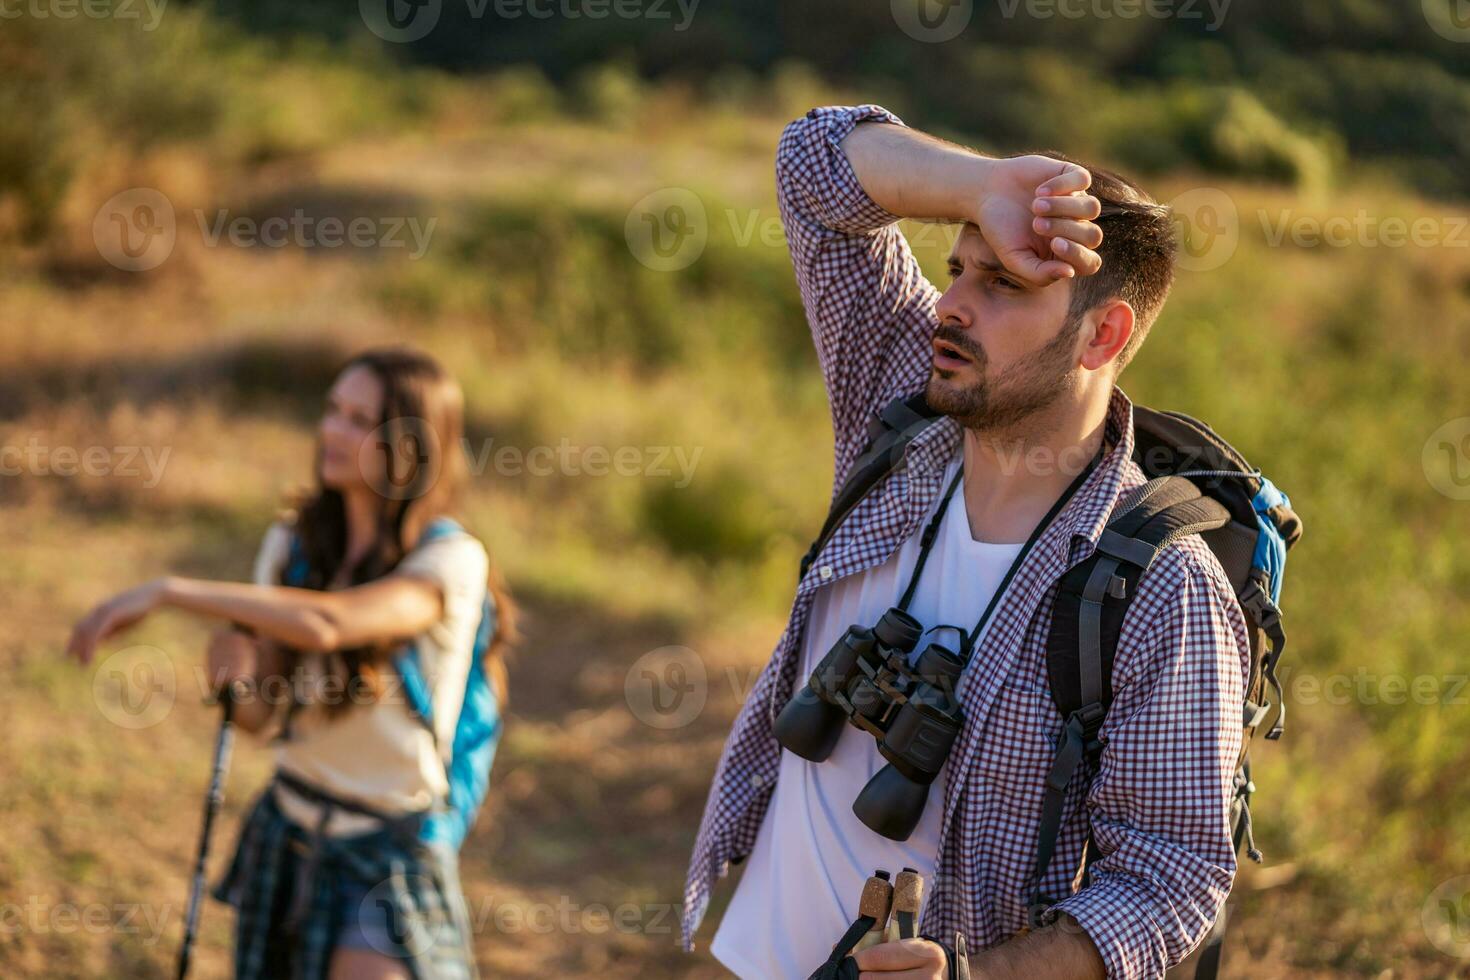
column 800, row 888
column 380, row 754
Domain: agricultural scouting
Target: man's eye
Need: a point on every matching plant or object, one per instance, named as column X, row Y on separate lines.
column 1007, row 284
column 954, row 272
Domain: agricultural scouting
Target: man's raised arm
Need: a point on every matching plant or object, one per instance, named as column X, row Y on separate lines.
column 870, row 309
column 1033, row 210
column 844, row 176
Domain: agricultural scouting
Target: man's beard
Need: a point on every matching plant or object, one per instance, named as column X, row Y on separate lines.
column 1002, row 405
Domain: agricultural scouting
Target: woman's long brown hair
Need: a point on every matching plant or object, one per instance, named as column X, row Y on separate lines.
column 420, row 437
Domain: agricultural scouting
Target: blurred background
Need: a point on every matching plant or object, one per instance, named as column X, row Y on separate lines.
column 205, row 207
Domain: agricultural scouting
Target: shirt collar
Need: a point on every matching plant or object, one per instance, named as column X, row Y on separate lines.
column 1088, row 511
column 1086, row 514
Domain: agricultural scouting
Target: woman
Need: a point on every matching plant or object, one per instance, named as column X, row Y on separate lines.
column 367, row 596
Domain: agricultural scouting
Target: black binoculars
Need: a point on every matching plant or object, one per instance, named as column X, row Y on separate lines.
column 912, row 711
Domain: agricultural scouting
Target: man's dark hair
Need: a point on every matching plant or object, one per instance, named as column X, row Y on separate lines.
column 1137, row 254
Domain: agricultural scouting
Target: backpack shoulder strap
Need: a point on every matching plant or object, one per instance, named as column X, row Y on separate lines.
column 408, row 663
column 889, row 435
column 1091, row 602
column 1094, row 595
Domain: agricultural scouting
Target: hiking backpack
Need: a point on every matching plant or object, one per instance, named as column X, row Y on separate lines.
column 477, row 731
column 1197, row 484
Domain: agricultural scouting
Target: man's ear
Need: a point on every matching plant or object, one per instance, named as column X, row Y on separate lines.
column 1112, row 325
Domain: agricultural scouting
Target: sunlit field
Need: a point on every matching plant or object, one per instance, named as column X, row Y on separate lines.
column 530, row 261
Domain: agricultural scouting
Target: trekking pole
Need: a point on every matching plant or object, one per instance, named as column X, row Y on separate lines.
column 222, row 745
column 876, row 901
column 908, row 895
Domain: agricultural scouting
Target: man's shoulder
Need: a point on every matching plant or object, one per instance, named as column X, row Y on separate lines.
column 1186, row 572
column 1186, row 568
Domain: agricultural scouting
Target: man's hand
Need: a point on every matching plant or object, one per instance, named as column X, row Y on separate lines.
column 1034, row 211
column 907, row 959
column 1037, row 215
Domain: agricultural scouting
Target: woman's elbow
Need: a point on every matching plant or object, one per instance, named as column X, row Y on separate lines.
column 318, row 633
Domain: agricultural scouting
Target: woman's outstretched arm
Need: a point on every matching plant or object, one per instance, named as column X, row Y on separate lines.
column 394, row 607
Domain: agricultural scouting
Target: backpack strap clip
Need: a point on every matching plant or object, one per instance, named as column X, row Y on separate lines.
column 1081, row 731
column 1257, row 602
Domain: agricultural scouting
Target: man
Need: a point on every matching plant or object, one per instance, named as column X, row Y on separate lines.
column 1056, row 277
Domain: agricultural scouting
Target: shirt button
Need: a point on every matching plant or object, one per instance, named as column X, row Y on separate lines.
column 826, row 572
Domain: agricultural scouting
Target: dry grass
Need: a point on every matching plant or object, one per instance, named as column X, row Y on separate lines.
column 217, row 358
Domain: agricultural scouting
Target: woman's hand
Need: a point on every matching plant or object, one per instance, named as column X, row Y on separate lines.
column 907, row 959
column 113, row 616
column 232, row 656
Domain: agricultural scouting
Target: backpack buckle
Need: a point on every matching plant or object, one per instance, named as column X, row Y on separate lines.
column 1084, row 724
column 1268, row 615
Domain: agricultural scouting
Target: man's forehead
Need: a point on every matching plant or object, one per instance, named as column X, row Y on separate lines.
column 971, row 248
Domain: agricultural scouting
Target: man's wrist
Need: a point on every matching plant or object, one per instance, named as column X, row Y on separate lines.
column 984, row 171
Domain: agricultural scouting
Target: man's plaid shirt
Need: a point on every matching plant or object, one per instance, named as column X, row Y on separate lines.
column 1157, row 802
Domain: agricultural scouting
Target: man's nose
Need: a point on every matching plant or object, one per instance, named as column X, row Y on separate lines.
column 950, row 310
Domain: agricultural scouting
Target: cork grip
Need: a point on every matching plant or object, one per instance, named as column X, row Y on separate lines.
column 908, row 894
column 876, row 901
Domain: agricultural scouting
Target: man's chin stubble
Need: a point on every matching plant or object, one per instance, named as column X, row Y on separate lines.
column 964, row 405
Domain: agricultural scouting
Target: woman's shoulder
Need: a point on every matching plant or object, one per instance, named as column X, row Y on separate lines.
column 446, row 551
column 275, row 548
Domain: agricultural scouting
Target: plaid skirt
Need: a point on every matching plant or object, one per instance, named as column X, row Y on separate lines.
column 290, row 888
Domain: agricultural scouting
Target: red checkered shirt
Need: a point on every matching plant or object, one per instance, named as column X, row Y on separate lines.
column 1157, row 801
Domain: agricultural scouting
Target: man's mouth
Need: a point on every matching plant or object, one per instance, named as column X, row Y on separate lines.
column 948, row 356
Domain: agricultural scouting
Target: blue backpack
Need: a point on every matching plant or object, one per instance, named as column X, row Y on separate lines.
column 477, row 731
